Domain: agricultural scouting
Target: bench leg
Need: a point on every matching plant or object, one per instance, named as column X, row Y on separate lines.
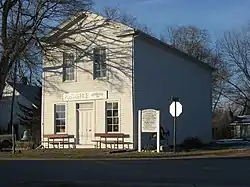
column 123, row 143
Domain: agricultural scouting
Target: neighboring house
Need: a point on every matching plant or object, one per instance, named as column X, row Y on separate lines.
column 26, row 95
column 240, row 127
column 121, row 71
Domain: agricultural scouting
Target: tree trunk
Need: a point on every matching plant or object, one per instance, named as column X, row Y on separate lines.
column 2, row 82
column 3, row 74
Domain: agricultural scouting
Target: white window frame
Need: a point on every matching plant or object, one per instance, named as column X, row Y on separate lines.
column 94, row 62
column 106, row 116
column 66, row 124
column 72, row 66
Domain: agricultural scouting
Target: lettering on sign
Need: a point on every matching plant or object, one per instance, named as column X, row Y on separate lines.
column 150, row 120
column 79, row 96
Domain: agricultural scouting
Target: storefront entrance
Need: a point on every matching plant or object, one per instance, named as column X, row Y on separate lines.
column 85, row 123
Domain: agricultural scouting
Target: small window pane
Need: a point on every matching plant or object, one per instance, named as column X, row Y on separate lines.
column 115, row 105
column 116, row 128
column 61, row 115
column 97, row 73
column 57, row 122
column 60, row 129
column 58, row 108
column 62, row 107
column 109, row 128
column 97, row 65
column 103, row 73
column 60, row 122
column 115, row 112
column 109, row 121
column 115, row 120
column 109, row 106
column 109, row 113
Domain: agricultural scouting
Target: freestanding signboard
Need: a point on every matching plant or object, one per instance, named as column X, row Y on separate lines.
column 149, row 121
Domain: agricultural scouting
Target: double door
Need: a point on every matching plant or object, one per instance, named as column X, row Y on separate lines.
column 86, row 122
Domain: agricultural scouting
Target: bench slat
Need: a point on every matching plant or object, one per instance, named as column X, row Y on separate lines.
column 111, row 135
column 111, row 141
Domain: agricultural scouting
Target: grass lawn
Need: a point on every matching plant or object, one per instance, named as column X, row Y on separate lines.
column 102, row 154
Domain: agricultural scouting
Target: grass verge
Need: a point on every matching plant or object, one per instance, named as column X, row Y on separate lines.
column 105, row 154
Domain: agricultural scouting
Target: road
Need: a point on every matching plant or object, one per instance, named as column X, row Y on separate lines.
column 175, row 173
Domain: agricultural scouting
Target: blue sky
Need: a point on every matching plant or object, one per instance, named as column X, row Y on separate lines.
column 216, row 16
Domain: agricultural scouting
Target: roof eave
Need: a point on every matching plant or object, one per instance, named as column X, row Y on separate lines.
column 175, row 50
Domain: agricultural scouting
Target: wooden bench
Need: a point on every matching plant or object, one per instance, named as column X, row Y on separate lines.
column 112, row 139
column 60, row 139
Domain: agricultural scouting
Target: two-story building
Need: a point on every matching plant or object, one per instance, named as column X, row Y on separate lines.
column 106, row 71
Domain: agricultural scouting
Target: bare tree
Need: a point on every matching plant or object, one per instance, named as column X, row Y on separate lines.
column 24, row 23
column 235, row 47
column 47, row 28
column 196, row 42
column 115, row 14
column 79, row 36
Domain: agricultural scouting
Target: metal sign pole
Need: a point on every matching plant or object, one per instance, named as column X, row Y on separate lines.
column 174, row 140
column 173, row 111
column 139, row 130
column 158, row 132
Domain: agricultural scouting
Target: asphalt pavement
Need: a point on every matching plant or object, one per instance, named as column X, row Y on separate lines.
column 226, row 172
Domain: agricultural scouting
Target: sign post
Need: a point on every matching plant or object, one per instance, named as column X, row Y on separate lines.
column 149, row 121
column 175, row 110
column 139, row 130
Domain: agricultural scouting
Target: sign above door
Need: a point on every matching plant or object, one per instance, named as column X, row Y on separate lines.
column 81, row 96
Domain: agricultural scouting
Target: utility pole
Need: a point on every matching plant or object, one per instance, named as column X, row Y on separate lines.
column 12, row 109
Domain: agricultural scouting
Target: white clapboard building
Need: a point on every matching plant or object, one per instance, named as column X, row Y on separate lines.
column 121, row 70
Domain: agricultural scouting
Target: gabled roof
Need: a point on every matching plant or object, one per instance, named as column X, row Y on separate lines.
column 175, row 51
column 31, row 93
column 133, row 31
column 167, row 47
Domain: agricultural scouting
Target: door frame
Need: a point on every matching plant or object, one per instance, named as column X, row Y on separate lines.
column 78, row 121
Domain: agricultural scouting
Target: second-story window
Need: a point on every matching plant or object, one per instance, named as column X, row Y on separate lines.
column 100, row 68
column 68, row 67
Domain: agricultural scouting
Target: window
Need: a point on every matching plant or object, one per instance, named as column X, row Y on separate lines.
column 68, row 67
column 112, row 117
column 100, row 69
column 60, row 120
